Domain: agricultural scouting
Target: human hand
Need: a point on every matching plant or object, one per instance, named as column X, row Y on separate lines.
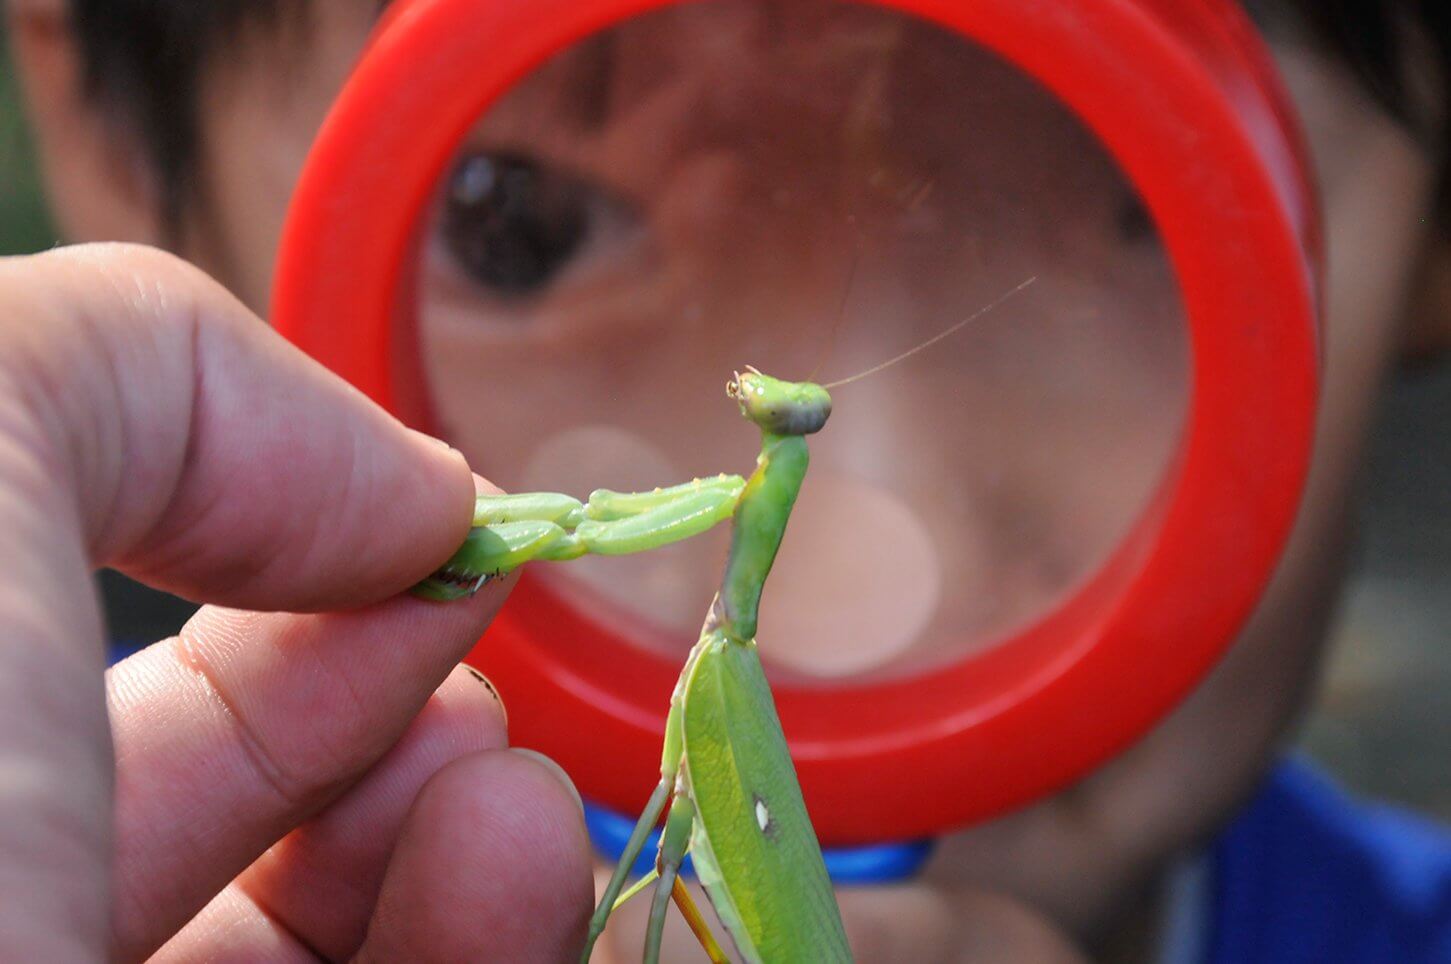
column 314, row 777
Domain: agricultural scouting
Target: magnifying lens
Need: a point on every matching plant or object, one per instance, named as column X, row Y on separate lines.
column 547, row 232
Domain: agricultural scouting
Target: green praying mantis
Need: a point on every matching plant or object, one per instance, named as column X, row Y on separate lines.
column 734, row 801
column 735, row 804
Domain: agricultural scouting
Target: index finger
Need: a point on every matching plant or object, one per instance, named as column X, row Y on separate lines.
column 148, row 420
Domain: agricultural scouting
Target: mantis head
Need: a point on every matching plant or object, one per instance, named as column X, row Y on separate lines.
column 780, row 408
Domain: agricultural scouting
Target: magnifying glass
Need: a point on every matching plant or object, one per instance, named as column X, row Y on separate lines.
column 548, row 231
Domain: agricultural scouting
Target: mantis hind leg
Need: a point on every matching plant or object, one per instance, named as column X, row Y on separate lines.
column 697, row 923
column 673, row 845
column 648, row 819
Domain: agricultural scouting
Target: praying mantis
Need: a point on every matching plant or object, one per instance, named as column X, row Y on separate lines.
column 735, row 804
column 734, row 801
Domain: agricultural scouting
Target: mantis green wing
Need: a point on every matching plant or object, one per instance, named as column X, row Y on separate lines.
column 753, row 845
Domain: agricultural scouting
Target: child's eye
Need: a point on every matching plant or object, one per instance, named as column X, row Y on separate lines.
column 511, row 223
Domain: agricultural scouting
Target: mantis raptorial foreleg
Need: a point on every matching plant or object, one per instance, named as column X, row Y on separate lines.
column 606, row 506
column 510, row 530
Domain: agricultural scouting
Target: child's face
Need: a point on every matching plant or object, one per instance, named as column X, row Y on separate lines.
column 690, row 196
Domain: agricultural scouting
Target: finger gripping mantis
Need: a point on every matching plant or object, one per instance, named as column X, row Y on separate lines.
column 734, row 802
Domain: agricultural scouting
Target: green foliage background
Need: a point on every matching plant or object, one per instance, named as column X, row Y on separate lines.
column 24, row 225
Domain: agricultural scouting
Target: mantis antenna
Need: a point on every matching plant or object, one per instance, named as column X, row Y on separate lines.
column 856, row 257
column 947, row 333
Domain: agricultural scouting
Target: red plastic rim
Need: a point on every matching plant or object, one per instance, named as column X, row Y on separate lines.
column 1183, row 96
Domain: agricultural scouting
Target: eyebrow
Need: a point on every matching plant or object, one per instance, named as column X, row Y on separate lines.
column 592, row 78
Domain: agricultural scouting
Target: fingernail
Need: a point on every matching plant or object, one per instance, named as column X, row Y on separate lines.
column 555, row 769
column 438, row 442
column 493, row 690
column 483, row 486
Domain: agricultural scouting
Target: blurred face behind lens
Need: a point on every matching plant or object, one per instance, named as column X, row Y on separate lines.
column 810, row 189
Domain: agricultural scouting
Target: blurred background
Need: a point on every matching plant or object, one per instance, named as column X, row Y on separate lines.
column 1383, row 719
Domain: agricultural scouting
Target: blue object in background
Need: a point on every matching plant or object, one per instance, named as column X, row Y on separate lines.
column 880, row 864
column 121, row 648
column 1308, row 875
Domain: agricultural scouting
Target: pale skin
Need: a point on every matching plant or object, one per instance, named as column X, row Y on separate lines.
column 1079, row 871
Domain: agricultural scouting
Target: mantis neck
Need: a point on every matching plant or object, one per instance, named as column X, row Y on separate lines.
column 756, row 531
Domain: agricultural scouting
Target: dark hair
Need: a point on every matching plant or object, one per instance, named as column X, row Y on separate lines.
column 1400, row 49
column 143, row 59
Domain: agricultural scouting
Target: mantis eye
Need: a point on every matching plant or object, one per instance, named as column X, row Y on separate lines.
column 511, row 223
